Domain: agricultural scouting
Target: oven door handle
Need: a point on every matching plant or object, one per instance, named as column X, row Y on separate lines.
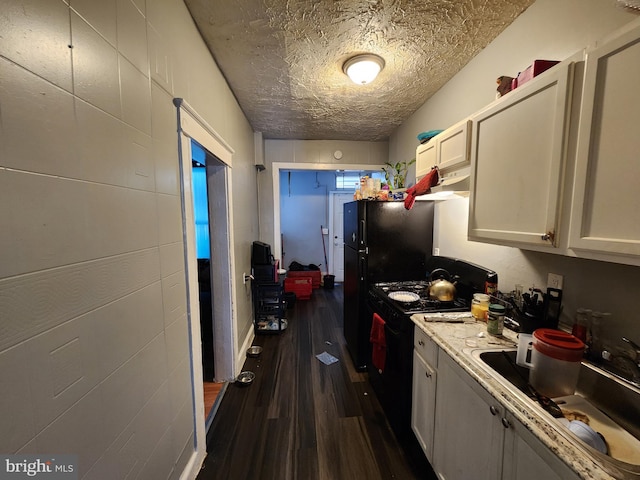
column 376, row 305
column 393, row 357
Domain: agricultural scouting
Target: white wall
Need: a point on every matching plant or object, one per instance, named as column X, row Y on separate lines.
column 94, row 352
column 549, row 29
column 304, row 209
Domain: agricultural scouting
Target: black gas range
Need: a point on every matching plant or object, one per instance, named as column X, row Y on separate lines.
column 392, row 383
column 423, row 304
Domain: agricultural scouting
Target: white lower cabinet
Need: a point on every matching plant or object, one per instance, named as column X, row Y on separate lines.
column 468, row 439
column 474, row 437
column 527, row 458
column 423, row 403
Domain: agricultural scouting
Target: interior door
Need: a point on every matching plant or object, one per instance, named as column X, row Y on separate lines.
column 336, row 233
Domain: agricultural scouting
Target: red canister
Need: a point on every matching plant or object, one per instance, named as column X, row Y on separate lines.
column 555, row 362
column 558, row 344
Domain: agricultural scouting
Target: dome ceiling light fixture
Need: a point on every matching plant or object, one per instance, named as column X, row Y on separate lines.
column 363, row 69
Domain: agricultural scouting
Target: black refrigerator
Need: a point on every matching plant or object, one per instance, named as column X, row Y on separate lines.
column 383, row 242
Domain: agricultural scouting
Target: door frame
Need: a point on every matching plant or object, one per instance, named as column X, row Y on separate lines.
column 193, row 127
column 332, row 213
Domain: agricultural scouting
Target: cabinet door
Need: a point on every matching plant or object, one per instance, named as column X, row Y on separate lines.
column 468, row 436
column 423, row 404
column 453, row 147
column 518, row 151
column 426, row 348
column 605, row 214
column 425, row 158
column 527, row 458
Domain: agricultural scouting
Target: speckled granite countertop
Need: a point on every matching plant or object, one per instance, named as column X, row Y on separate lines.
column 458, row 339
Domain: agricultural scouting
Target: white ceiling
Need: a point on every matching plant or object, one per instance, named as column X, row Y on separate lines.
column 283, row 58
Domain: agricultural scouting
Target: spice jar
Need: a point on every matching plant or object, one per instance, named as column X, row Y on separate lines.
column 495, row 319
column 480, row 306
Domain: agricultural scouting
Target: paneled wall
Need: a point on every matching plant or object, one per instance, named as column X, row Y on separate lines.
column 94, row 349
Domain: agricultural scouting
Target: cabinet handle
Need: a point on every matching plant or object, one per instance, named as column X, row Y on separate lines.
column 421, row 343
column 549, row 236
column 428, row 374
column 506, row 423
column 494, row 411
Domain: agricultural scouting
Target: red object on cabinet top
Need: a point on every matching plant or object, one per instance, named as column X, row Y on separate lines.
column 533, row 70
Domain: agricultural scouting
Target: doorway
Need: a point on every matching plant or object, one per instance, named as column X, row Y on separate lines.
column 203, row 254
column 201, row 161
column 336, row 229
column 193, row 130
column 278, row 168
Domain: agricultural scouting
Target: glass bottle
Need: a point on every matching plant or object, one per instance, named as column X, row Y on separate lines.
column 581, row 324
column 598, row 328
column 491, row 284
column 480, row 306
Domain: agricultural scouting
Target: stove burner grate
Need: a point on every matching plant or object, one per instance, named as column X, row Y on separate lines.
column 423, row 304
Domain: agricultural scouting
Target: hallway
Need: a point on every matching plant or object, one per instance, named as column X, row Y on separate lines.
column 302, row 419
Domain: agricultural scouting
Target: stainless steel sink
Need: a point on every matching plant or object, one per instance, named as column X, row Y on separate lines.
column 614, row 401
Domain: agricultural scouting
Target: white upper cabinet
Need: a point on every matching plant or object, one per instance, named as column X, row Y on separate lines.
column 425, row 158
column 449, row 150
column 453, row 147
column 605, row 215
column 518, row 155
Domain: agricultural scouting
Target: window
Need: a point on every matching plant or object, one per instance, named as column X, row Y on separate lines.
column 351, row 180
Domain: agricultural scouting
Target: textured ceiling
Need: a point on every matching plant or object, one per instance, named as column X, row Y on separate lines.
column 283, row 58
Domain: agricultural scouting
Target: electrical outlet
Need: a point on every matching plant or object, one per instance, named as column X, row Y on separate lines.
column 554, row 280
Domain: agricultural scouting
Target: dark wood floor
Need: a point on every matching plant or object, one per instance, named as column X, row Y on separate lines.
column 302, row 419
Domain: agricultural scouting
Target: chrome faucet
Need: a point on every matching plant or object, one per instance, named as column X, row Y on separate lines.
column 624, row 364
column 636, row 349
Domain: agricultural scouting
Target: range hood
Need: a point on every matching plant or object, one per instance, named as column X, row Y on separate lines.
column 452, row 185
column 457, row 182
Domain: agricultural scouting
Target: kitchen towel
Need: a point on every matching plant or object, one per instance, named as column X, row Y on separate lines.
column 378, row 342
column 422, row 187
